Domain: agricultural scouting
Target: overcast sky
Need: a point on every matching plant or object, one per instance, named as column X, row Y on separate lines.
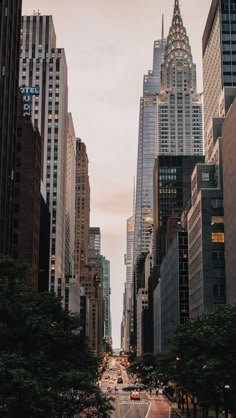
column 109, row 47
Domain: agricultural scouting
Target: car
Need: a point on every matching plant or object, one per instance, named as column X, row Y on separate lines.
column 129, row 388
column 119, row 380
column 135, row 395
column 140, row 386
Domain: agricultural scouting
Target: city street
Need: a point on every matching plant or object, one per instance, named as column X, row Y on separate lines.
column 147, row 407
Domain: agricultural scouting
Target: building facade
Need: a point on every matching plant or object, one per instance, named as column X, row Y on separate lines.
column 229, row 177
column 157, row 319
column 147, row 150
column 172, row 190
column 206, row 237
column 142, row 303
column 82, row 207
column 94, row 247
column 91, row 282
column 106, row 296
column 44, row 65
column 70, row 198
column 10, row 23
column 129, row 259
column 27, row 197
column 174, row 289
column 219, row 64
column 179, row 106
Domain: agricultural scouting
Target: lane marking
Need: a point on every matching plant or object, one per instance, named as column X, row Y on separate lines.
column 150, row 405
column 136, row 403
column 124, row 416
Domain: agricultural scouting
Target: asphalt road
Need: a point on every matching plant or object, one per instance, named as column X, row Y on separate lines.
column 147, row 407
column 125, row 408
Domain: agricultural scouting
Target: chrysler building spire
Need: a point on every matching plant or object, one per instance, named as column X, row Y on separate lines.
column 178, row 55
column 179, row 105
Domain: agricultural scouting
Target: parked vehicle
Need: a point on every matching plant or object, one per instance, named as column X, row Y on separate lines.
column 135, row 395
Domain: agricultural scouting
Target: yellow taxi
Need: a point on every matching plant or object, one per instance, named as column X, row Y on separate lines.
column 135, row 395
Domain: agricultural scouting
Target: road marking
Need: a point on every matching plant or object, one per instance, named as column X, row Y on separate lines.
column 118, row 408
column 128, row 411
column 146, row 416
column 134, row 403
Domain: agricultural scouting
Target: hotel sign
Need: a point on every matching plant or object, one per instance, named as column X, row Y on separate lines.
column 27, row 92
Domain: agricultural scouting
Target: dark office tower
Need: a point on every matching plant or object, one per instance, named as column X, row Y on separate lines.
column 106, row 296
column 174, row 288
column 27, row 197
column 219, row 61
column 147, row 150
column 172, row 190
column 44, row 246
column 10, row 14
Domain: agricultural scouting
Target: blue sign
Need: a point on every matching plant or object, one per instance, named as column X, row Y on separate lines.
column 27, row 93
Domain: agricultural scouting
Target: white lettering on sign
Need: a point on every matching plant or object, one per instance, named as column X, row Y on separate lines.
column 27, row 92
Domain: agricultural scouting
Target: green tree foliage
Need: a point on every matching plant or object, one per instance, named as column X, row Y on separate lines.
column 204, row 350
column 46, row 369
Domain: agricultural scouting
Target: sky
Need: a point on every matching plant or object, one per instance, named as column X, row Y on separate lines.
column 109, row 48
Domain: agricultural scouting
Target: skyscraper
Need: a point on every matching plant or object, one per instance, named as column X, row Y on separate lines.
column 127, row 320
column 147, row 150
column 219, row 81
column 43, row 65
column 94, row 247
column 10, row 15
column 172, row 190
column 179, row 106
column 92, row 282
column 106, row 296
column 27, row 197
column 82, row 207
column 70, row 197
column 219, row 63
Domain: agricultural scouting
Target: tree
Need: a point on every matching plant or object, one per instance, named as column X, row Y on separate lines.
column 46, row 369
column 205, row 357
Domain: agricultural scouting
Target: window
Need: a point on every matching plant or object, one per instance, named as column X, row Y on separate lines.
column 219, row 290
column 205, row 176
column 217, row 220
column 217, row 203
column 218, row 256
column 218, row 237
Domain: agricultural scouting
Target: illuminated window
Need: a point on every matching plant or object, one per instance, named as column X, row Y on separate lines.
column 217, row 237
column 217, row 220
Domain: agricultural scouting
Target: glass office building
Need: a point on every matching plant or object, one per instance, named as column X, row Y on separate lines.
column 147, row 150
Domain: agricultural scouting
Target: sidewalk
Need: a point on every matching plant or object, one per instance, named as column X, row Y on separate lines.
column 199, row 414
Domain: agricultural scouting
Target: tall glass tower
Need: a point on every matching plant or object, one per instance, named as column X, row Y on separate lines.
column 147, row 149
